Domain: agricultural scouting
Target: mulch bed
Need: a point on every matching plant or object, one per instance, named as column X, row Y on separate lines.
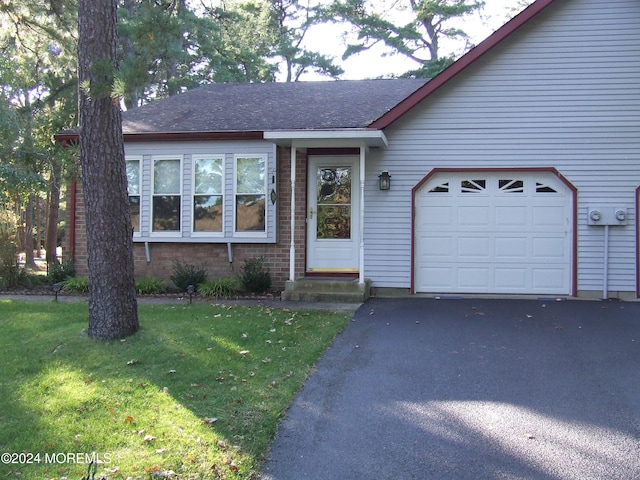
column 46, row 290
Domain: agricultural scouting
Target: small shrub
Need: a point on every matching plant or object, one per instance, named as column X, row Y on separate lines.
column 149, row 286
column 9, row 269
column 185, row 274
column 28, row 279
column 222, row 288
column 15, row 276
column 255, row 278
column 10, row 275
column 59, row 272
column 77, row 284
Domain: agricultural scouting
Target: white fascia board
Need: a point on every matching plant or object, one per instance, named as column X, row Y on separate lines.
column 328, row 138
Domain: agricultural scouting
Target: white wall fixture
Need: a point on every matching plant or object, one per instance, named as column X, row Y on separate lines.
column 607, row 215
column 621, row 214
column 594, row 216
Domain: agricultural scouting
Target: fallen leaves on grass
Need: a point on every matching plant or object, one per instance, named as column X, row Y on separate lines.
column 157, row 471
column 230, row 462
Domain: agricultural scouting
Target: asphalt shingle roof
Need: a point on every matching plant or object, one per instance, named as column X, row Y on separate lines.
column 271, row 106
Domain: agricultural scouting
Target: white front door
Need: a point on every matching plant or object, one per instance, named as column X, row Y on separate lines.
column 332, row 214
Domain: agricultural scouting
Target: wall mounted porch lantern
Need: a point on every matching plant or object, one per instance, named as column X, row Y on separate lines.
column 273, row 196
column 385, row 180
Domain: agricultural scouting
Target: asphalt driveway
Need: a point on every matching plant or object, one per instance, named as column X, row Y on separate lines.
column 471, row 389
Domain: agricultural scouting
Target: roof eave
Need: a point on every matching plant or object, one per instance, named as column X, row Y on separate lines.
column 461, row 64
column 66, row 137
column 303, row 138
column 174, row 136
column 193, row 136
column 347, row 137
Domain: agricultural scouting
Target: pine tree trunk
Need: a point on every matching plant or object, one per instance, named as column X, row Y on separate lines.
column 28, row 231
column 113, row 311
column 38, row 226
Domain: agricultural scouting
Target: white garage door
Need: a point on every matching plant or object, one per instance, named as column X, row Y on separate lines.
column 496, row 232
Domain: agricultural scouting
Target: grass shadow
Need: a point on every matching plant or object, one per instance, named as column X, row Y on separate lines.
column 198, row 391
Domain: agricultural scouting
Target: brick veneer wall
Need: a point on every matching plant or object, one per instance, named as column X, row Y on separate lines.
column 215, row 255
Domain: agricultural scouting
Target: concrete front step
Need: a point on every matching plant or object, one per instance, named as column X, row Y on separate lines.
column 321, row 289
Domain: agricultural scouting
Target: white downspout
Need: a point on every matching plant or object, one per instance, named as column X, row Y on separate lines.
column 605, row 267
column 292, row 247
column 363, row 150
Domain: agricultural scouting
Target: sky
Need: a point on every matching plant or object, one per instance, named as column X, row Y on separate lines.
column 371, row 64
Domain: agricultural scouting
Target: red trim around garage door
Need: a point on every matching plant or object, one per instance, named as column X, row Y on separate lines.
column 637, row 243
column 553, row 170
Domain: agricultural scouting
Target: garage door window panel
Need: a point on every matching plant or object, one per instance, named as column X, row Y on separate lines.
column 442, row 188
column 473, row 186
column 544, row 188
column 511, row 186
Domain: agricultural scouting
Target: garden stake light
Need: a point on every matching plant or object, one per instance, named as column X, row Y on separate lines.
column 56, row 287
column 190, row 290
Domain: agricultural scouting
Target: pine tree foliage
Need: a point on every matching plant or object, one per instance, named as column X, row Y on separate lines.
column 411, row 28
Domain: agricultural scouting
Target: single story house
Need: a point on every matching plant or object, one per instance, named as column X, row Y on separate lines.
column 514, row 171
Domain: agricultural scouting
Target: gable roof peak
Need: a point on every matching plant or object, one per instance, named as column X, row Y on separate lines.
column 461, row 64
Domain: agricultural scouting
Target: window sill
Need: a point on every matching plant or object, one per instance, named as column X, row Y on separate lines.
column 204, row 239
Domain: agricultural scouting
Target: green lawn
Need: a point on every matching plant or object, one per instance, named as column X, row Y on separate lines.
column 198, row 391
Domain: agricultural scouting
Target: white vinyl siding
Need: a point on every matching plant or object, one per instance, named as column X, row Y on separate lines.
column 189, row 153
column 561, row 92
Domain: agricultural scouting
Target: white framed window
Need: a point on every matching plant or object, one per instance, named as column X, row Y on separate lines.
column 134, row 189
column 250, row 195
column 208, row 195
column 203, row 192
column 166, row 195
